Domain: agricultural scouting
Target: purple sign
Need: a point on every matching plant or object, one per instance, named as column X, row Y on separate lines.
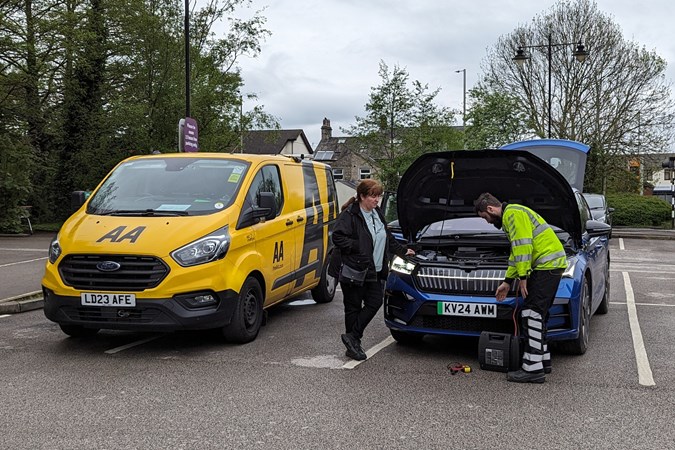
column 190, row 135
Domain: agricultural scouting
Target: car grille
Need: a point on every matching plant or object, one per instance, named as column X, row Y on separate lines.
column 465, row 324
column 136, row 273
column 449, row 280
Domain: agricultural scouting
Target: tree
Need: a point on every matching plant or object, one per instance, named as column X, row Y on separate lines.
column 402, row 123
column 617, row 101
column 494, row 119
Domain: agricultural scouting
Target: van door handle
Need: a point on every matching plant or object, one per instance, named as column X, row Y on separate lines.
column 300, row 219
column 289, row 222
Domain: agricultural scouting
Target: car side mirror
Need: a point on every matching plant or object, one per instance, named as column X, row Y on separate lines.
column 610, row 209
column 598, row 229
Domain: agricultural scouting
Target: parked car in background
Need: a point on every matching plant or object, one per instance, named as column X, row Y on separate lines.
column 448, row 287
column 599, row 208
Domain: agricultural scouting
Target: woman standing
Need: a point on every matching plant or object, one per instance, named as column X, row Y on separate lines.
column 364, row 244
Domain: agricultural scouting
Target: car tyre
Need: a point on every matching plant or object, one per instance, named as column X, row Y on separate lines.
column 405, row 338
column 579, row 345
column 248, row 314
column 324, row 292
column 77, row 331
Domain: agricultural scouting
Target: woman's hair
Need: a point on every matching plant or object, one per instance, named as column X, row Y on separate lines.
column 484, row 200
column 364, row 189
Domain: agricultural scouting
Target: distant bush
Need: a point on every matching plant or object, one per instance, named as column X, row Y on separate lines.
column 633, row 210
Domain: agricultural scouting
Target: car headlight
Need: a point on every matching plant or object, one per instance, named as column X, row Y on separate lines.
column 54, row 250
column 571, row 265
column 400, row 265
column 209, row 248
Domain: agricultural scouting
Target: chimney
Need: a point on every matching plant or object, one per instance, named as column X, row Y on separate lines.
column 326, row 130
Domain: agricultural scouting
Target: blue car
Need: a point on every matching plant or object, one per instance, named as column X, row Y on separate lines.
column 448, row 287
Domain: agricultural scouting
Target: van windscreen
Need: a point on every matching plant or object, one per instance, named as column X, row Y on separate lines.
column 169, row 186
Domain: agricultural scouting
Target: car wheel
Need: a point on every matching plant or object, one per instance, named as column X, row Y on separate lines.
column 405, row 338
column 579, row 345
column 248, row 314
column 325, row 290
column 604, row 304
column 78, row 330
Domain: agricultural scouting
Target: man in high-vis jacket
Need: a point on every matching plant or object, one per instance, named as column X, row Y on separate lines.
column 537, row 261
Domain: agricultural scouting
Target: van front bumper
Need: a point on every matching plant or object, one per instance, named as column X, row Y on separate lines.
column 157, row 314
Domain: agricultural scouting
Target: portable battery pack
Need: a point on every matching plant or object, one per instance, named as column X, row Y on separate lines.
column 499, row 352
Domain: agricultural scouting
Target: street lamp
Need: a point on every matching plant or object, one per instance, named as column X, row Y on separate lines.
column 579, row 54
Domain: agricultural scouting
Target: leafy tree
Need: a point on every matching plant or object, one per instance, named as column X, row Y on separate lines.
column 617, row 101
column 402, row 123
column 494, row 119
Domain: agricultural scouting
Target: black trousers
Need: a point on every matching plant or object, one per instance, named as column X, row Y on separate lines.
column 361, row 305
column 542, row 286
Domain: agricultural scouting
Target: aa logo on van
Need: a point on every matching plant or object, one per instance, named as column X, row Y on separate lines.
column 120, row 234
column 278, row 252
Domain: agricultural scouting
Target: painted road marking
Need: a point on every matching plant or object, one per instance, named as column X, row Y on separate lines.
column 133, row 344
column 23, row 262
column 369, row 353
column 4, row 315
column 645, row 377
column 621, row 246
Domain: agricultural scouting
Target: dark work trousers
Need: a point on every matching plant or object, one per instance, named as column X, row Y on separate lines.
column 361, row 305
column 542, row 286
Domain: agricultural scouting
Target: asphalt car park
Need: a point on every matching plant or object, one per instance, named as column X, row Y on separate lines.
column 294, row 388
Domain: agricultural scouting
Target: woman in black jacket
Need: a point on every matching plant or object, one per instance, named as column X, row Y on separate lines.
column 364, row 244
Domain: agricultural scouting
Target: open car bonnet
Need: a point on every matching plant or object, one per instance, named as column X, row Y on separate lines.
column 444, row 185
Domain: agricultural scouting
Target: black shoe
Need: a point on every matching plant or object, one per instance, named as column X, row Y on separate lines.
column 547, row 369
column 361, row 356
column 520, row 376
column 351, row 343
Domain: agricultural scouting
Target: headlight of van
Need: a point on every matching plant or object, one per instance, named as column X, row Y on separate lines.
column 571, row 265
column 400, row 265
column 54, row 250
column 204, row 250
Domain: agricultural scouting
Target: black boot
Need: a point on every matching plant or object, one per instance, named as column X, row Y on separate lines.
column 520, row 376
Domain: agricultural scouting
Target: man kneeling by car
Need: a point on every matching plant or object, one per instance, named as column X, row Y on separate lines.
column 537, row 259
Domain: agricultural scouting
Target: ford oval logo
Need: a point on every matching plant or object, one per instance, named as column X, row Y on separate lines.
column 108, row 266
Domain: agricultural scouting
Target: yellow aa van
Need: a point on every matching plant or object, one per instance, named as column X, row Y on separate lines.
column 191, row 241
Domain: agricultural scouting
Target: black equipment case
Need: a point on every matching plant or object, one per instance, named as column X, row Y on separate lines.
column 498, row 351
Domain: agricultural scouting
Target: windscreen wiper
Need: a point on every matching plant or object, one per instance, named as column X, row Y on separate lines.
column 142, row 212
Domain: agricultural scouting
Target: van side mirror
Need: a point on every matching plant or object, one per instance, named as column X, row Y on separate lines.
column 267, row 206
column 77, row 199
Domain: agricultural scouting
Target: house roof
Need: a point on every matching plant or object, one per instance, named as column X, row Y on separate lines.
column 272, row 142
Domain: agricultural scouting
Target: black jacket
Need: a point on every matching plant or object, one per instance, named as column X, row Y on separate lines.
column 354, row 244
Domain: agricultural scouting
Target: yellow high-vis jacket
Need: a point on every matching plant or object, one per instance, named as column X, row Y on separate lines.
column 534, row 244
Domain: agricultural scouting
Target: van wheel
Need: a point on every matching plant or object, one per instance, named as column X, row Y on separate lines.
column 78, row 331
column 325, row 290
column 248, row 314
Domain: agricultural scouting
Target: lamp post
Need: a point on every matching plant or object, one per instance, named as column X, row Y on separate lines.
column 187, row 58
column 579, row 54
column 464, row 98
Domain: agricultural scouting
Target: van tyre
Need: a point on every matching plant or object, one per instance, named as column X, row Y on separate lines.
column 324, row 292
column 78, row 330
column 248, row 314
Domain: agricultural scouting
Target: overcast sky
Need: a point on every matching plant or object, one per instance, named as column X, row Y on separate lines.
column 323, row 55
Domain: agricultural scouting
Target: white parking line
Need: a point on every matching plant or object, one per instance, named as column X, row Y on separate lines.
column 369, row 353
column 23, row 262
column 23, row 249
column 645, row 377
column 133, row 344
column 4, row 315
column 621, row 247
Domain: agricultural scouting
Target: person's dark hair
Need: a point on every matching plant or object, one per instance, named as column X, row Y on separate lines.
column 364, row 189
column 484, row 200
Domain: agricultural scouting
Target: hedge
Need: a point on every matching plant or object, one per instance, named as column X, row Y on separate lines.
column 633, row 210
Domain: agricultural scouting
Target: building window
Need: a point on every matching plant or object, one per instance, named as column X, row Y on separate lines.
column 364, row 173
column 666, row 174
column 338, row 174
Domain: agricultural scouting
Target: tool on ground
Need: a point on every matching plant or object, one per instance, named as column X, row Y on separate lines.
column 457, row 367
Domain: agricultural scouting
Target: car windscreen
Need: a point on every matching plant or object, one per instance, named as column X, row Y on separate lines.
column 169, row 186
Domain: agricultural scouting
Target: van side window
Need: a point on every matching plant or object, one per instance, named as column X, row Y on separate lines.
column 266, row 180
